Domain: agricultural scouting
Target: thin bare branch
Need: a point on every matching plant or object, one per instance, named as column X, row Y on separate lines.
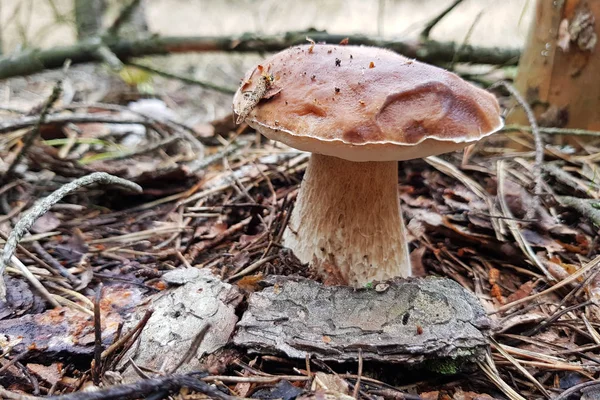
column 539, row 145
column 42, row 206
column 33, row 134
column 435, row 20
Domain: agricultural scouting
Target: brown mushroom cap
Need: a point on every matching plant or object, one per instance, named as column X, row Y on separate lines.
column 364, row 104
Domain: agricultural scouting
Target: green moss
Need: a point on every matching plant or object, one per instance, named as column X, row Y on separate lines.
column 445, row 366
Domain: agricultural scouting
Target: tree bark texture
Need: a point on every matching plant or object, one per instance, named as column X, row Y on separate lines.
column 196, row 303
column 558, row 70
column 407, row 321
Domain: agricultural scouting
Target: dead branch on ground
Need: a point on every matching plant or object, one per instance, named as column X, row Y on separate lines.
column 32, row 61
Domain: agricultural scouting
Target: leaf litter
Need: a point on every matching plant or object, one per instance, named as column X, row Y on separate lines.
column 217, row 199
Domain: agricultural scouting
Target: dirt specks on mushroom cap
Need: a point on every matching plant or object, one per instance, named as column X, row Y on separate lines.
column 370, row 97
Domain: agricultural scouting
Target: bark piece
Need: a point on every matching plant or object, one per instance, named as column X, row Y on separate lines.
column 20, row 300
column 65, row 332
column 199, row 299
column 408, row 322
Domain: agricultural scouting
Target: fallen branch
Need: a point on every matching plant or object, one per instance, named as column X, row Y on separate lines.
column 539, row 145
column 61, row 119
column 135, row 390
column 583, row 206
column 193, row 350
column 52, row 266
column 5, row 394
column 125, row 343
column 96, row 39
column 41, row 207
column 32, row 61
column 552, row 131
column 103, row 53
column 562, row 176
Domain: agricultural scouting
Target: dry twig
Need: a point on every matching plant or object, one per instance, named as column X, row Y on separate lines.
column 539, row 145
column 33, row 134
column 359, row 373
column 551, row 130
column 184, row 79
column 435, row 20
column 191, row 353
column 96, row 363
column 513, row 226
column 41, row 207
column 143, row 388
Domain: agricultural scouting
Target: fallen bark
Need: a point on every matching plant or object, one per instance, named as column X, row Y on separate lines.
column 195, row 317
column 35, row 60
column 409, row 322
column 62, row 332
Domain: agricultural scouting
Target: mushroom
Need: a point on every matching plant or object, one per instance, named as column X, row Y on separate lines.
column 358, row 110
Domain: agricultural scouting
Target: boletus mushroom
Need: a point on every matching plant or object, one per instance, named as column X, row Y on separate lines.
column 358, row 110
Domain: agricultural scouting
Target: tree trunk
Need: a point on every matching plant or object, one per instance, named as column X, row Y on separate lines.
column 558, row 70
column 88, row 17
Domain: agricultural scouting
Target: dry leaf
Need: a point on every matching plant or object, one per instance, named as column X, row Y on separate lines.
column 330, row 382
column 51, row 373
column 523, row 291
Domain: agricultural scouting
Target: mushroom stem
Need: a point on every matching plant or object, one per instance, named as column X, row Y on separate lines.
column 347, row 221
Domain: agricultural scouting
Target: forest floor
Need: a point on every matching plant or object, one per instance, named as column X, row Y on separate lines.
column 215, row 197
